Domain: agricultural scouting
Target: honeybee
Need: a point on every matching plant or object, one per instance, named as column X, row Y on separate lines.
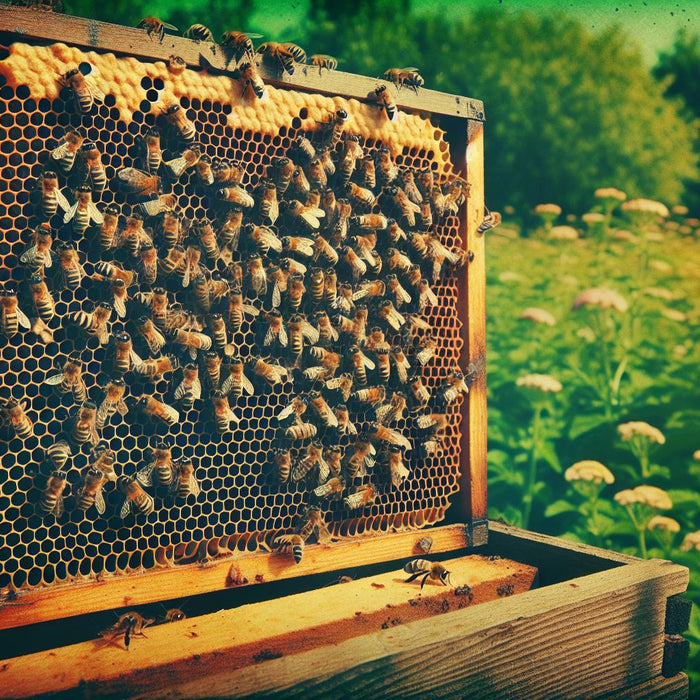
column 356, row 265
column 190, row 339
column 109, row 229
column 70, row 379
column 438, row 253
column 15, row 415
column 326, row 333
column 318, row 403
column 360, row 363
column 230, row 231
column 401, row 77
column 429, row 570
column 51, row 196
column 335, row 128
column 176, row 64
column 104, row 459
column 84, row 212
column 157, row 409
column 394, row 232
column 84, row 427
column 373, row 395
column 404, row 205
column 312, row 459
column 186, row 160
column 394, row 411
column 155, row 27
column 198, row 32
column 314, row 524
column 113, row 402
column 491, row 220
column 51, row 501
column 300, row 185
column 271, row 373
column 135, row 498
column 58, row 454
column 237, row 382
column 285, row 55
column 323, row 249
column 281, row 172
column 203, row 170
column 283, row 464
column 283, row 543
column 72, row 271
column 352, row 151
column 177, row 117
column 240, row 44
column 237, row 310
column 361, row 195
column 276, row 332
column 155, row 368
column 419, row 392
column 397, row 469
column 153, row 337
column 393, row 437
column 363, row 496
column 138, row 182
column 453, row 387
column 332, row 488
column 174, row 615
column 256, row 277
column 301, row 431
column 189, row 389
column 360, row 458
column 249, row 76
column 426, row 296
column 42, row 331
column 151, row 151
column 401, row 364
column 376, row 339
column 384, row 101
column 236, row 195
column 37, row 256
column 96, row 172
column 64, row 154
column 94, row 323
column 11, row 316
column 212, row 364
column 263, row 238
column 318, row 177
column 309, row 218
column 130, row 624
column 91, row 491
column 391, row 315
column 84, row 89
column 223, row 413
column 457, row 193
column 185, row 482
column 162, row 466
column 43, row 301
column 148, row 264
column 323, row 61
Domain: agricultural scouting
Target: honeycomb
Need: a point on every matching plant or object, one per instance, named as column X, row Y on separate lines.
column 240, row 508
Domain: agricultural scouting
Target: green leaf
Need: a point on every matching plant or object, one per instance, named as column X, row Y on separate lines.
column 547, row 452
column 559, row 507
column 582, row 424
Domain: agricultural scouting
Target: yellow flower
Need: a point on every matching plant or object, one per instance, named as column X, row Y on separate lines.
column 600, row 296
column 510, row 276
column 610, row 193
column 659, row 293
column 538, row 315
column 691, row 541
column 589, row 470
column 646, row 206
column 563, row 233
column 679, row 209
column 593, row 217
column 621, row 234
column 696, row 455
column 542, row 382
column 645, row 495
column 661, row 522
column 674, row 315
column 553, row 209
column 633, row 428
column 660, row 265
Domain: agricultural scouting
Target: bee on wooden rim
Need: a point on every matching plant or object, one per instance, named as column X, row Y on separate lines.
column 285, row 55
column 380, row 95
column 130, row 624
column 240, row 44
column 176, row 64
column 428, row 570
column 84, row 89
column 247, row 73
column 323, row 61
column 404, row 77
column 198, row 32
column 295, row 543
column 155, row 27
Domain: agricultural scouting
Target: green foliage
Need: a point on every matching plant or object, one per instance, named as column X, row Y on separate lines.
column 567, row 110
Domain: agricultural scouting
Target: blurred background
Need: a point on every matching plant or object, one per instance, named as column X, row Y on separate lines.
column 592, row 155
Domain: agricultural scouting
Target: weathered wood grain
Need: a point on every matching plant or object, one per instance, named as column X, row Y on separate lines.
column 236, row 638
column 674, row 688
column 238, row 569
column 37, row 24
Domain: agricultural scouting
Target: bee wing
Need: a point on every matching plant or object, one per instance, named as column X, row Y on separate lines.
column 324, row 470
column 231, row 416
column 194, row 486
column 94, row 90
column 181, row 391
column 246, row 200
column 283, row 338
column 250, row 310
column 332, row 419
column 312, row 217
column 367, row 362
column 70, row 213
column 54, row 379
column 323, row 534
column 334, row 383
column 186, row 276
column 360, row 293
column 172, row 414
column 403, row 296
column 197, row 389
column 102, row 414
column 22, row 319
column 305, row 247
column 177, row 166
column 276, row 296
column 269, row 239
column 100, row 502
column 102, row 333
column 287, row 411
column 58, row 509
column 61, row 200
column 145, row 475
column 351, row 428
column 125, row 509
column 61, row 151
column 247, row 385
column 29, row 255
column 314, row 372
column 152, row 207
column 119, row 306
column 95, row 214
column 309, row 332
column 269, row 336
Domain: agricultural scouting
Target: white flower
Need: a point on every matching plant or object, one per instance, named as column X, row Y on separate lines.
column 589, row 470
column 542, row 382
column 640, row 428
column 600, row 296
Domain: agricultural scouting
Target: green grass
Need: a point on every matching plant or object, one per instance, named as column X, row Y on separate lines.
column 614, row 366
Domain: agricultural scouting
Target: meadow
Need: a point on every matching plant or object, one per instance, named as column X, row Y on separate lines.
column 593, row 370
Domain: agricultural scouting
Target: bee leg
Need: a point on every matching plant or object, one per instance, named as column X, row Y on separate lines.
column 425, row 578
column 413, row 577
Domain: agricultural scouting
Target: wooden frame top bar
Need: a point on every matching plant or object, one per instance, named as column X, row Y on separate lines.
column 40, row 24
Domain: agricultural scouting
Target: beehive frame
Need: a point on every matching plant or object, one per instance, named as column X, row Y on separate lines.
column 82, row 587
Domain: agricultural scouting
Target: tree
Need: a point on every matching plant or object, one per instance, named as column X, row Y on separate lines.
column 568, row 110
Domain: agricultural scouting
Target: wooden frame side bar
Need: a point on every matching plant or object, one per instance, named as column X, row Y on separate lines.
column 30, row 23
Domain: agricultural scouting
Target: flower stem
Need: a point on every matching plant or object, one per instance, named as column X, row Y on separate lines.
column 532, row 472
column 642, row 541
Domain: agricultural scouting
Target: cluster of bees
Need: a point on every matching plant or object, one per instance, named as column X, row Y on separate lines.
column 331, row 260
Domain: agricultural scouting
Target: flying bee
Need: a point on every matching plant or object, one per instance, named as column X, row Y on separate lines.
column 96, row 173
column 72, row 271
column 295, row 543
column 301, row 431
column 295, row 291
column 391, row 315
column 84, row 212
column 237, row 310
column 268, row 206
column 272, row 374
column 308, row 218
column 43, row 301
column 363, row 496
column 162, row 466
column 360, row 195
column 11, row 316
column 373, row 395
column 312, row 460
column 176, row 64
column 318, row 403
column 64, row 154
column 263, row 238
column 392, row 412
column 84, row 90
column 237, row 382
column 380, row 95
column 285, row 56
column 393, row 437
column 223, row 413
column 153, row 337
column 94, row 323
column 400, row 363
column 155, row 368
column 453, row 387
column 345, row 425
column 70, row 378
column 323, row 61
column 397, row 468
column 404, row 77
column 84, row 427
column 130, row 624
column 248, row 74
column 51, row 196
column 240, row 44
column 135, row 498
column 112, row 403
column 14, row 413
column 37, row 256
column 178, row 119
column 491, row 220
column 418, row 390
column 157, row 409
column 155, row 27
column 51, row 502
column 58, row 454
column 276, row 332
column 428, row 570
column 186, row 483
column 282, row 170
column 198, row 32
column 283, row 464
column 90, row 493
column 192, row 340
column 236, row 195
